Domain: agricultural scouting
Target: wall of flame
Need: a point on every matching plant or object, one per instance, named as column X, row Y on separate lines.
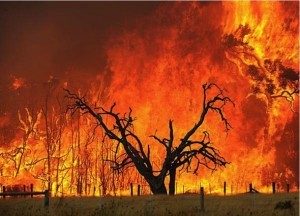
column 157, row 66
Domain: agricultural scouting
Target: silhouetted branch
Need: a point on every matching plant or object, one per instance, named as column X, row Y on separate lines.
column 120, row 129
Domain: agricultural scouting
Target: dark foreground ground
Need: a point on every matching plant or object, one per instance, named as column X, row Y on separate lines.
column 237, row 205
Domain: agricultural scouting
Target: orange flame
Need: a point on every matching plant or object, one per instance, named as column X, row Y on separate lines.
column 18, row 83
column 157, row 69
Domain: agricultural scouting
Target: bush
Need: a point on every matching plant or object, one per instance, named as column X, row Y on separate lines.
column 284, row 205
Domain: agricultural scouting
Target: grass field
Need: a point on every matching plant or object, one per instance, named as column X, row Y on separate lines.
column 237, row 205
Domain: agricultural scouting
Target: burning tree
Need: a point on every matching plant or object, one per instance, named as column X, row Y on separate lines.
column 273, row 81
column 269, row 77
column 129, row 149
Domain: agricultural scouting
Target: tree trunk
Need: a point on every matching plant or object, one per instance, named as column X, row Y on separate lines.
column 161, row 189
column 172, row 181
column 48, row 147
column 157, row 186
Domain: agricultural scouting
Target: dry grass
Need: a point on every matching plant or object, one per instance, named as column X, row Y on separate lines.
column 238, row 205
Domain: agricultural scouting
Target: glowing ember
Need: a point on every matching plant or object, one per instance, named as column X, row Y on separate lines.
column 18, row 83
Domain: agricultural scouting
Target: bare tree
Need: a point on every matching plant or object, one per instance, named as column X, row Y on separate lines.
column 19, row 153
column 129, row 149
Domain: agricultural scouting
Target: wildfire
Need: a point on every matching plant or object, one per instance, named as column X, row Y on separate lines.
column 157, row 68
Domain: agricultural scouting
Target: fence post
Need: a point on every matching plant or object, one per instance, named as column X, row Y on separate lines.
column 224, row 188
column 3, row 191
column 273, row 187
column 150, row 203
column 139, row 190
column 182, row 189
column 31, row 190
column 100, row 200
column 201, row 199
column 254, row 200
column 24, row 190
column 46, row 198
column 131, row 189
column 288, row 188
column 250, row 187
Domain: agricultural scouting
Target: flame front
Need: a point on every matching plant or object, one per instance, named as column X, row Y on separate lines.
column 157, row 68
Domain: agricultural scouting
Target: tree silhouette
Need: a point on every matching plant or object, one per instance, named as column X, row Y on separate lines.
column 129, row 150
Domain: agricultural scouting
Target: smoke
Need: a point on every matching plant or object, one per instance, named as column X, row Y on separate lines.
column 61, row 39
